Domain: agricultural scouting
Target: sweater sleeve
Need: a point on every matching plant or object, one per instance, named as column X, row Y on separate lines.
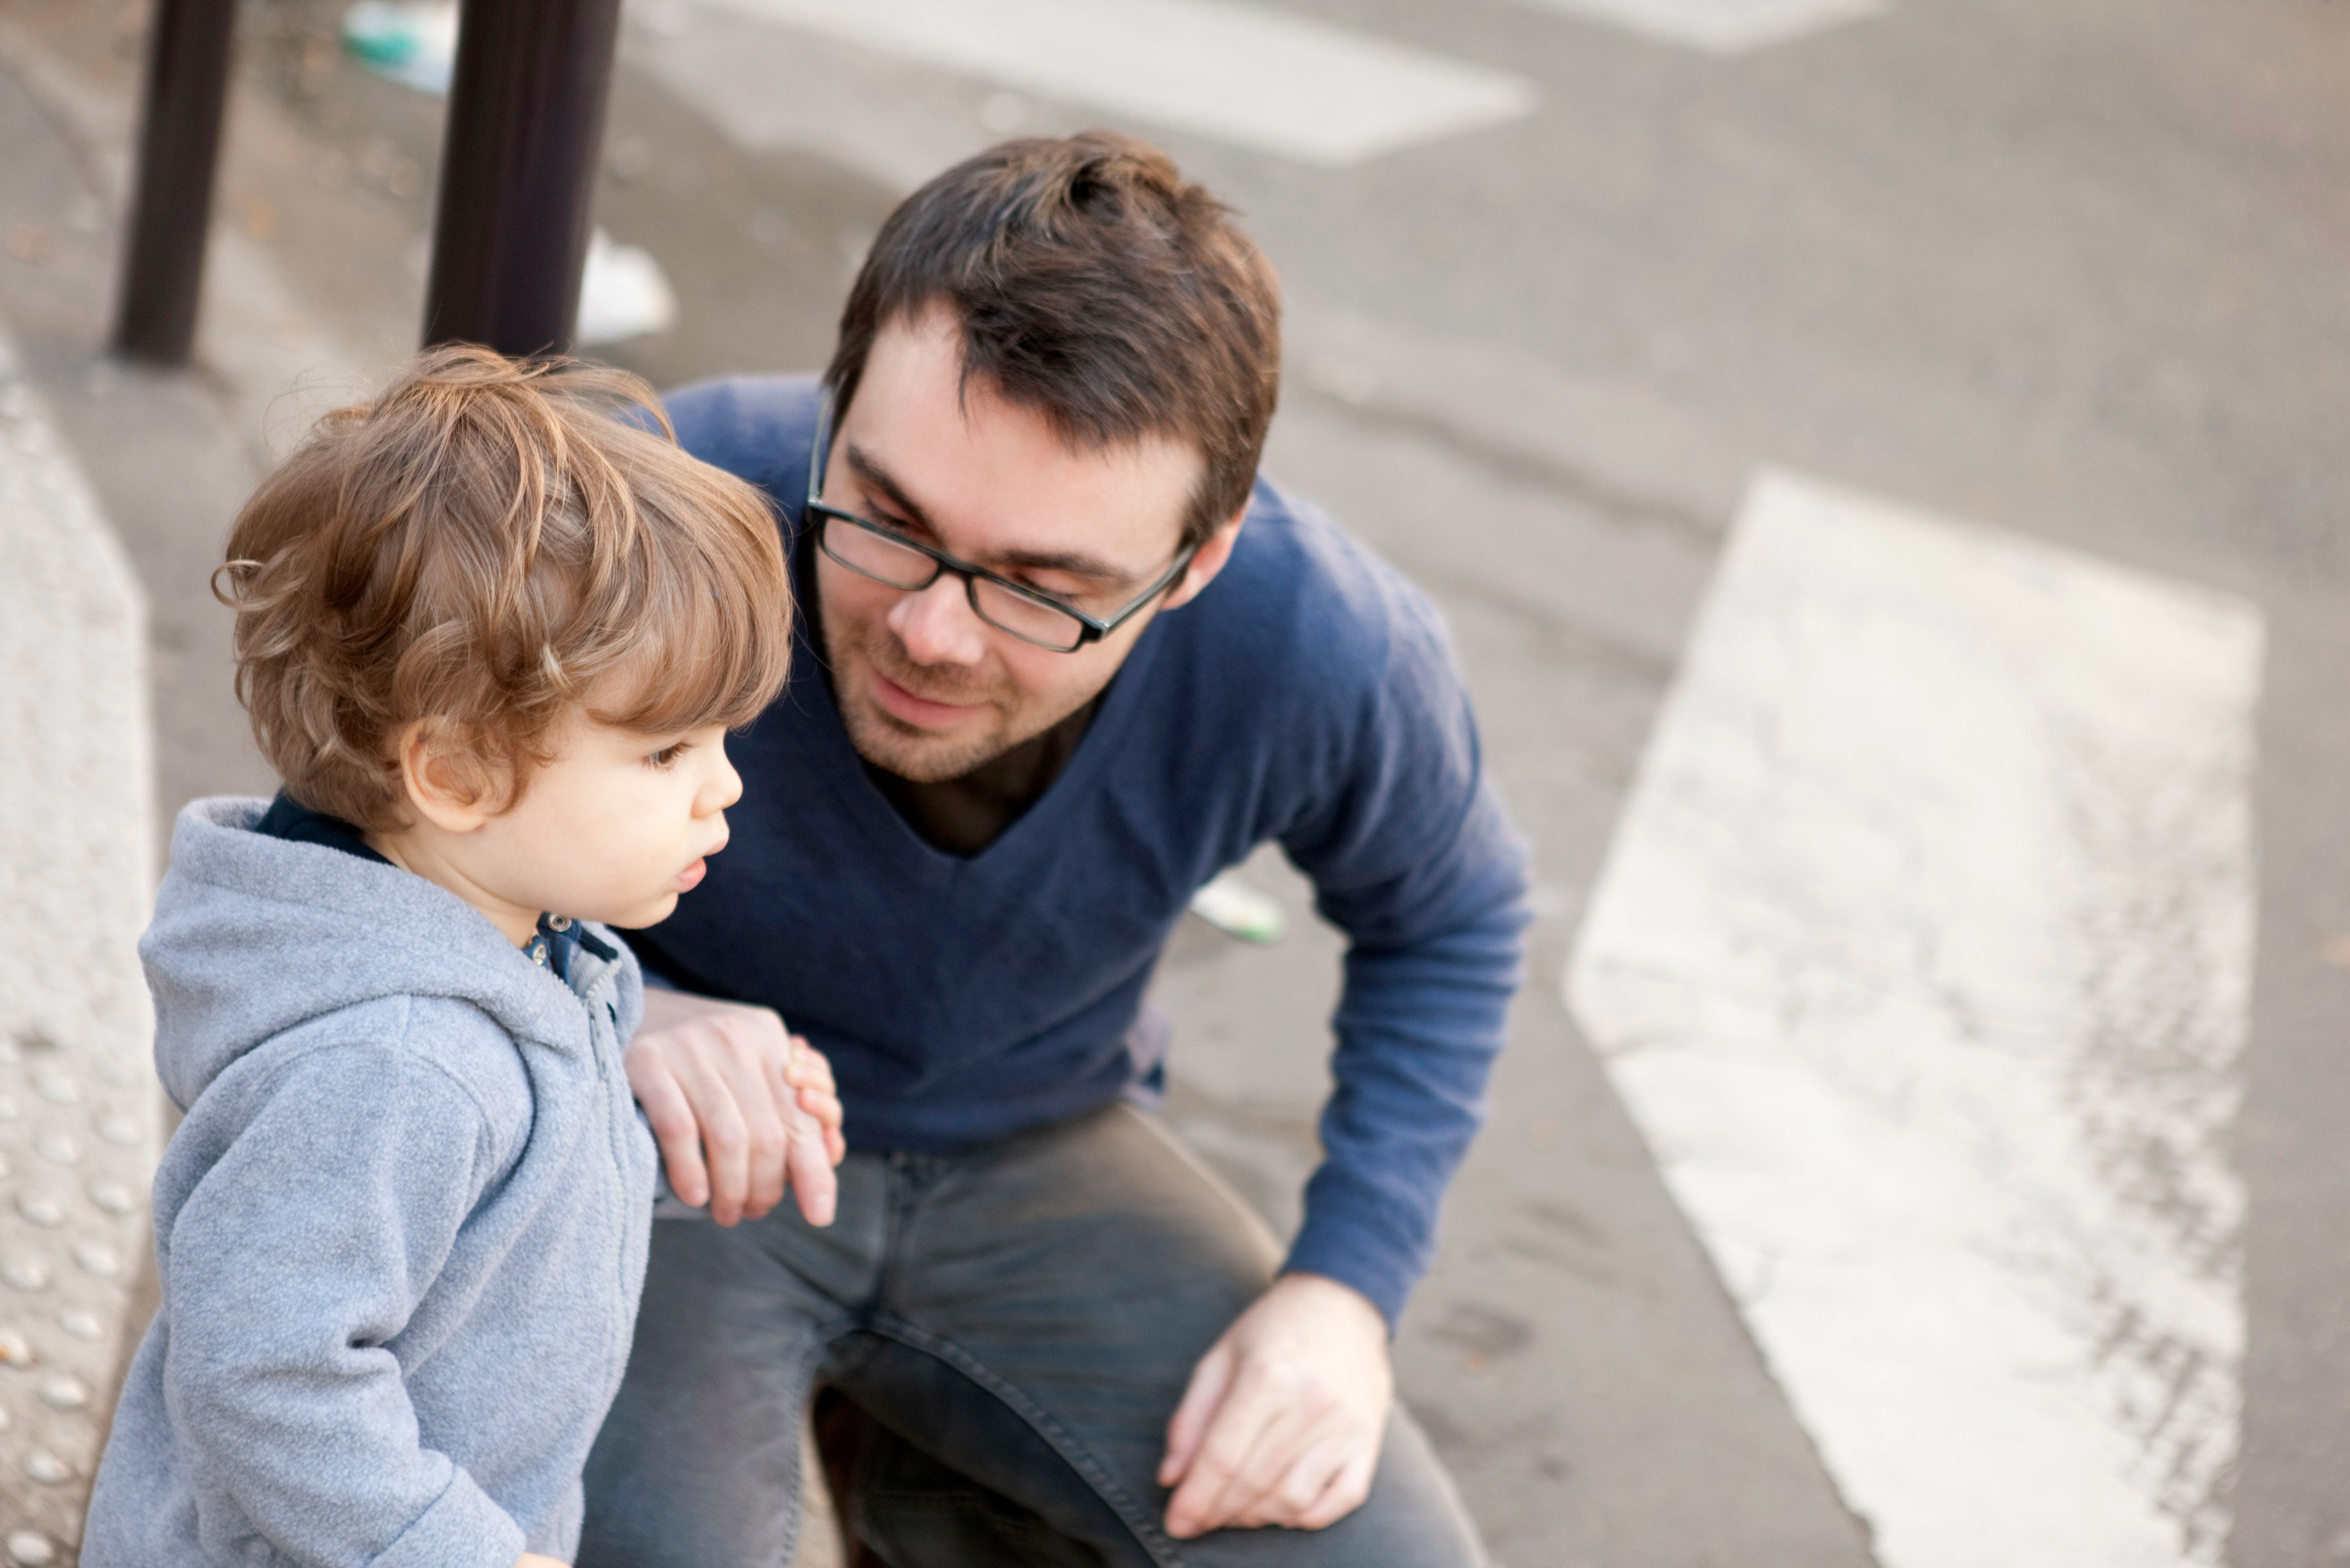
column 1412, row 858
column 294, row 1262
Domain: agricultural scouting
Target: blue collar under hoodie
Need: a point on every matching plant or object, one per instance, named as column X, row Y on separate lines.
column 399, row 1236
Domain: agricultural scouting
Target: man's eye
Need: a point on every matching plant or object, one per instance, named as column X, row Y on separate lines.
column 1073, row 598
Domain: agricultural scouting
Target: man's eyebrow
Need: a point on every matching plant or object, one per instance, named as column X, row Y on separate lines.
column 876, row 478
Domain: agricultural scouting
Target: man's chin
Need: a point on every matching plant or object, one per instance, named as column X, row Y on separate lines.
column 925, row 756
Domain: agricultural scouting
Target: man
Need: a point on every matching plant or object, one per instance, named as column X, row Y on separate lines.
column 1067, row 659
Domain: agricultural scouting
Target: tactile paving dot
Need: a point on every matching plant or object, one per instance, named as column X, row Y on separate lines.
column 57, row 1147
column 31, row 1548
column 113, row 1196
column 64, row 1393
column 98, row 1258
column 26, row 1273
column 41, row 1208
column 81, row 1326
column 46, row 1468
column 53, row 1085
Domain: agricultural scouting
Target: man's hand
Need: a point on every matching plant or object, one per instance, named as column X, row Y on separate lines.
column 741, row 1109
column 1284, row 1418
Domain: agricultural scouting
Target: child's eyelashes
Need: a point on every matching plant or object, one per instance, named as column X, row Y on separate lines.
column 667, row 756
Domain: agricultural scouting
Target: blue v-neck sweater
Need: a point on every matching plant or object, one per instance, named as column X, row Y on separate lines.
column 1308, row 696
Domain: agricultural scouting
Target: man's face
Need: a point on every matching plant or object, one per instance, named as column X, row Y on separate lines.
column 928, row 690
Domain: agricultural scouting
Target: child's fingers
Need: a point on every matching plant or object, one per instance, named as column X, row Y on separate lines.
column 808, row 1068
column 824, row 1107
column 809, row 1074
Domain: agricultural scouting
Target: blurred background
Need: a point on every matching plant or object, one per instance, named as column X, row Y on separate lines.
column 1881, row 463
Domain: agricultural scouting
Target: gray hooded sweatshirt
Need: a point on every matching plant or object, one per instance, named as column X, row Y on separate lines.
column 400, row 1234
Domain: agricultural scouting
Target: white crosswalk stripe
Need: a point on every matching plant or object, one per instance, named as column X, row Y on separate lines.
column 1922, row 958
column 1717, row 26
column 1301, row 89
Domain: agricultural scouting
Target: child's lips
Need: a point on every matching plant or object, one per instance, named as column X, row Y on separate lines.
column 692, row 876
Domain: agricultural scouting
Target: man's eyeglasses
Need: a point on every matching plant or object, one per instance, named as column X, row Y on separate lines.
column 886, row 555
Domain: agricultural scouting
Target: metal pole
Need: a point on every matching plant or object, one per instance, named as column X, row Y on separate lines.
column 179, row 147
column 517, row 171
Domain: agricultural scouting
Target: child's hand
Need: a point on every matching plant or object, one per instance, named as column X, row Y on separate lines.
column 533, row 1560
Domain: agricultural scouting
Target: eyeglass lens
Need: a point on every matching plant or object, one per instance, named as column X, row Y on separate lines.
column 888, row 560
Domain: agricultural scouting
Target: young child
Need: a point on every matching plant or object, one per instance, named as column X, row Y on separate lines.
column 492, row 629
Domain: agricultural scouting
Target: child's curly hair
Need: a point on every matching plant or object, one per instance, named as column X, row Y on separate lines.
column 486, row 546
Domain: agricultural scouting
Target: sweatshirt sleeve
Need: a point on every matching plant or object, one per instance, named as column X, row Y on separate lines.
column 302, row 1251
column 1412, row 858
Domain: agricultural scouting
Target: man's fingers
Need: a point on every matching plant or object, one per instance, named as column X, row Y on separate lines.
column 725, row 1143
column 1249, row 1496
column 671, row 1115
column 1295, row 1489
column 1348, row 1491
column 812, row 1182
column 717, row 1082
column 742, row 1060
column 1210, row 1379
column 1239, row 1422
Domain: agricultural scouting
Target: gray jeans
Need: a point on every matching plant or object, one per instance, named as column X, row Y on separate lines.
column 1019, row 1321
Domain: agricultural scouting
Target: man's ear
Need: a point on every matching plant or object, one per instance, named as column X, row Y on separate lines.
column 443, row 781
column 1207, row 561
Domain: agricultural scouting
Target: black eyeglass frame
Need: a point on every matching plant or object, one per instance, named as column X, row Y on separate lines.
column 1091, row 629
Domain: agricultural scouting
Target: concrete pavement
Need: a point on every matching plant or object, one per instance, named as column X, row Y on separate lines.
column 77, row 1110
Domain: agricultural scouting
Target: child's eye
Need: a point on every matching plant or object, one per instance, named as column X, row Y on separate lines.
column 667, row 755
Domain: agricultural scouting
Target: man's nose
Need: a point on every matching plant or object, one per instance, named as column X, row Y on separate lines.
column 936, row 626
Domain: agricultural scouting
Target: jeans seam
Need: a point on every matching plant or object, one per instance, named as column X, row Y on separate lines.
column 1153, row 1541
column 796, row 1398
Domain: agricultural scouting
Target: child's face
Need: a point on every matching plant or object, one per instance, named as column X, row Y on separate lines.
column 613, row 829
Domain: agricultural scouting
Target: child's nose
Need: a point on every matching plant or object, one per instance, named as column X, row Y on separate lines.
column 726, row 785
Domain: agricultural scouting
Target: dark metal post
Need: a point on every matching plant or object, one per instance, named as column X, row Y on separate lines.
column 518, row 172
column 179, row 147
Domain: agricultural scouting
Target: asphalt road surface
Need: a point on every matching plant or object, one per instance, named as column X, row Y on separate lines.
column 1880, row 464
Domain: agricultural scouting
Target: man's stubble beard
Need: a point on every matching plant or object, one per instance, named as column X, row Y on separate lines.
column 899, row 748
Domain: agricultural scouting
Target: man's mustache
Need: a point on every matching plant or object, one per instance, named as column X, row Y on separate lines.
column 934, row 683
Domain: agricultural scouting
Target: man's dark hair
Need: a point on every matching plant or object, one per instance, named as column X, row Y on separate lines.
column 1093, row 284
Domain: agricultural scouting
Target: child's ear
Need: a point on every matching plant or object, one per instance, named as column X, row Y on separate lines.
column 442, row 778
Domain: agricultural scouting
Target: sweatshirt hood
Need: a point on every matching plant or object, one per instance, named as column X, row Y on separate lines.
column 255, row 935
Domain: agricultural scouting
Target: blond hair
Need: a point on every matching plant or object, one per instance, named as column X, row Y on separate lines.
column 486, row 546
